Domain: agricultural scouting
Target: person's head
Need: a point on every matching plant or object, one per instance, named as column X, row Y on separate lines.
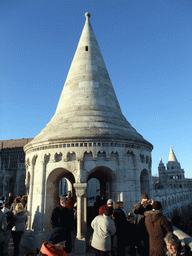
column 144, row 196
column 119, row 204
column 19, row 207
column 57, row 238
column 24, row 198
column 10, row 194
column 157, row 206
column 101, row 209
column 63, row 201
column 1, row 204
column 108, row 211
column 110, row 203
column 17, row 199
column 172, row 242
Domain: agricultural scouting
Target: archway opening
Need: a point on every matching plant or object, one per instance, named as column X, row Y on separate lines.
column 102, row 178
column 64, row 186
column 53, row 191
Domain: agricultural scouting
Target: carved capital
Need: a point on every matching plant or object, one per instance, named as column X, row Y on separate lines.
column 80, row 189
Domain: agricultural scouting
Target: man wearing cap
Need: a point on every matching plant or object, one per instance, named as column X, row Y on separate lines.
column 55, row 243
column 3, row 226
column 157, row 226
column 64, row 218
column 142, row 235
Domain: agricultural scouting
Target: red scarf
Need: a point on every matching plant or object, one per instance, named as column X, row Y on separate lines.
column 50, row 250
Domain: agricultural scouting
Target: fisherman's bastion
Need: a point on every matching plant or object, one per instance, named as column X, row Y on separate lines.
column 88, row 137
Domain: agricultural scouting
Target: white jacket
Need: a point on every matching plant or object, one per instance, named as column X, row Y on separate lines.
column 104, row 228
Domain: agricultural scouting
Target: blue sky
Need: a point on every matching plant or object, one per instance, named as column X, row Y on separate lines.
column 146, row 46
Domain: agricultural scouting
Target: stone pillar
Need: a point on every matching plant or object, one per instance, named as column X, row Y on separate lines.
column 80, row 242
column 30, row 197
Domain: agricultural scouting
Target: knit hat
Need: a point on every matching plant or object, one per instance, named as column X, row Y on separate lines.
column 56, row 235
column 1, row 204
column 109, row 201
column 157, row 205
column 144, row 196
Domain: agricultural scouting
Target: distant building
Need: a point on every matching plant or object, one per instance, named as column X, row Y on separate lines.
column 12, row 167
column 172, row 188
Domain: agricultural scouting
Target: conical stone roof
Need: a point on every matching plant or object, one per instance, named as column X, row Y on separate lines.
column 88, row 108
column 172, row 157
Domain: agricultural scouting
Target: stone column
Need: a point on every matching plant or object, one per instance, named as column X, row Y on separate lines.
column 80, row 242
column 30, row 196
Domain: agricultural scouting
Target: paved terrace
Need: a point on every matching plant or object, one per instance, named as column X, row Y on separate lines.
column 182, row 236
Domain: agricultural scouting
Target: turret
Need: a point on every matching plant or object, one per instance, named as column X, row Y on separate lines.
column 162, row 173
column 174, row 170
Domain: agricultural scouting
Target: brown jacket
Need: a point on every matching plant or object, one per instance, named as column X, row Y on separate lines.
column 157, row 226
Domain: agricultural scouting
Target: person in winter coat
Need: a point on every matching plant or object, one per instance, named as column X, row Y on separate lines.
column 3, row 227
column 121, row 228
column 131, row 233
column 157, row 226
column 143, row 238
column 64, row 218
column 103, row 228
column 55, row 243
column 7, row 233
column 20, row 220
column 10, row 199
column 174, row 247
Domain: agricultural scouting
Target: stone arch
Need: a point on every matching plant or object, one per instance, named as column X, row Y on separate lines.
column 58, row 156
column 144, row 182
column 88, row 156
column 52, row 191
column 105, row 176
column 71, row 156
column 130, row 159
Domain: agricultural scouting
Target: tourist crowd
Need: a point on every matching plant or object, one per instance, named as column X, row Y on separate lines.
column 13, row 219
column 143, row 231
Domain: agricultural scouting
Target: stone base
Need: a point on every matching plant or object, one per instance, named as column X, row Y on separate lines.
column 80, row 246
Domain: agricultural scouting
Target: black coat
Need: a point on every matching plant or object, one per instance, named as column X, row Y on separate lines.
column 120, row 222
column 62, row 217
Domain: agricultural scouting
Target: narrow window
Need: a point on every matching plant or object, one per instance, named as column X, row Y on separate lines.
column 86, row 48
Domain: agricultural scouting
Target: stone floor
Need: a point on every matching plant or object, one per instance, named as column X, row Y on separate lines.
column 90, row 251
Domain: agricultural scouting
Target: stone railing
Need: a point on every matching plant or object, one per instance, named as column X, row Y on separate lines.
column 185, row 238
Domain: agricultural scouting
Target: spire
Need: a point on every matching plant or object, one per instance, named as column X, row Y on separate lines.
column 172, row 157
column 161, row 164
column 88, row 107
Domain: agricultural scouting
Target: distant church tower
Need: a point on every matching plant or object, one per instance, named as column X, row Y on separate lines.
column 88, row 137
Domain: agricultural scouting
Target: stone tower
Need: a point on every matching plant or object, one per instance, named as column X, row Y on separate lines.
column 174, row 170
column 88, row 137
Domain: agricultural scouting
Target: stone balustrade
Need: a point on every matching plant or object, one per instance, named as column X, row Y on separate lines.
column 185, row 238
